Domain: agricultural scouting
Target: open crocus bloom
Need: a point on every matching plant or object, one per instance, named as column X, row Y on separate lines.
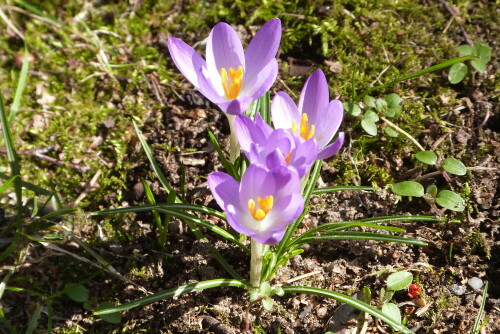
column 272, row 148
column 263, row 204
column 229, row 77
column 315, row 117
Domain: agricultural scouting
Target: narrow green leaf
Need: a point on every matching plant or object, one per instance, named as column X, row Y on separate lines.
column 454, row 166
column 349, row 301
column 428, row 70
column 392, row 311
column 450, row 200
column 227, row 165
column 408, row 188
column 369, row 126
column 113, row 318
column 342, row 188
column 23, row 76
column 457, row 73
column 477, row 322
column 38, row 12
column 354, row 235
column 77, row 292
column 399, row 280
column 427, row 157
column 188, row 288
column 34, row 319
column 352, row 109
column 6, row 185
column 152, row 160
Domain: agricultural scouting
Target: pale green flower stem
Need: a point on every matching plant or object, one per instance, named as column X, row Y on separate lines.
column 258, row 250
column 234, row 146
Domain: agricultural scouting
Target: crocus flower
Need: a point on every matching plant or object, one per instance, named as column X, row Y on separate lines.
column 229, row 77
column 271, row 148
column 262, row 205
column 314, row 117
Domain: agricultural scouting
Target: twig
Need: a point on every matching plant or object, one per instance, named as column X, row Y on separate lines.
column 426, row 176
column 247, row 316
column 40, row 154
column 10, row 24
column 456, row 15
column 397, row 128
column 88, row 187
column 303, row 276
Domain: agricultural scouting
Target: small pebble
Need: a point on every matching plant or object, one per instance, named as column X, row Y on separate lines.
column 457, row 289
column 321, row 312
column 475, row 283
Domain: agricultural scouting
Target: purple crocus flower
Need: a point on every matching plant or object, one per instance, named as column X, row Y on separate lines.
column 263, row 204
column 229, row 77
column 272, row 148
column 315, row 116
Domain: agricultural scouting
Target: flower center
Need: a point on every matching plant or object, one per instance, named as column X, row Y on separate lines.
column 265, row 205
column 304, row 127
column 232, row 87
column 288, row 158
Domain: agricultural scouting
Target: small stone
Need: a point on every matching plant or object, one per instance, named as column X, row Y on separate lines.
column 475, row 283
column 321, row 312
column 457, row 289
column 479, row 300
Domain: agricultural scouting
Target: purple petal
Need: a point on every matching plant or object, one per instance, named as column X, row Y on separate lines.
column 235, row 107
column 256, row 182
column 266, row 129
column 187, row 60
column 286, row 210
column 329, row 122
column 250, row 132
column 284, row 111
column 287, row 181
column 332, row 149
column 269, row 238
column 314, row 96
column 304, row 156
column 224, row 189
column 274, row 159
column 224, row 49
column 237, row 222
column 207, row 88
column 260, row 82
column 263, row 48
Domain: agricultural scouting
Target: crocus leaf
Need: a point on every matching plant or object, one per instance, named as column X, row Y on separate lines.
column 352, row 109
column 408, row 188
column 393, row 100
column 369, row 127
column 450, row 200
column 399, row 281
column 454, row 166
column 369, row 101
column 457, row 73
column 427, row 157
column 77, row 292
column 392, row 311
column 465, row 50
column 113, row 318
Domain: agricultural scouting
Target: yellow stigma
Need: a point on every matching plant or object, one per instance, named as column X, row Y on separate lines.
column 304, row 127
column 265, row 205
column 288, row 158
column 232, row 87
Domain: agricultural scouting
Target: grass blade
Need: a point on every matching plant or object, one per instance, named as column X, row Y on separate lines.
column 34, row 319
column 354, row 235
column 349, row 301
column 7, row 184
column 23, row 76
column 325, row 190
column 193, row 287
column 477, row 322
column 425, row 71
column 229, row 167
column 153, row 162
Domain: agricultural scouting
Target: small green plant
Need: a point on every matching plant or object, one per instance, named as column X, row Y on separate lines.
column 445, row 198
column 390, row 106
column 481, row 50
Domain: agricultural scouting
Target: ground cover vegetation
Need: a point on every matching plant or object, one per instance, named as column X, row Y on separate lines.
column 94, row 111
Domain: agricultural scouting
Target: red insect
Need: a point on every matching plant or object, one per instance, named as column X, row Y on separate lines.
column 414, row 290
